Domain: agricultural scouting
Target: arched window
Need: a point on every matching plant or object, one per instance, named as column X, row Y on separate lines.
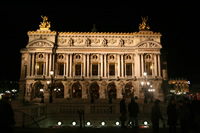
column 112, row 92
column 129, row 90
column 148, row 64
column 94, row 90
column 59, row 90
column 77, row 90
column 38, row 90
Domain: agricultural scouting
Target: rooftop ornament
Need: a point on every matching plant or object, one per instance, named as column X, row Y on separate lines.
column 45, row 25
column 144, row 26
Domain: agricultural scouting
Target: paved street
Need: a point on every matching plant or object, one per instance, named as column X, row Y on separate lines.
column 88, row 130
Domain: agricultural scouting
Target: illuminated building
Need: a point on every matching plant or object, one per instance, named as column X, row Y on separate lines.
column 179, row 86
column 87, row 65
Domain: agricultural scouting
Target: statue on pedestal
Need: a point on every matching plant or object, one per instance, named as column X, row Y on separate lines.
column 144, row 25
column 45, row 25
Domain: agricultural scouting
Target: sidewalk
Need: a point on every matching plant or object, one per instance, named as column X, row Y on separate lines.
column 88, row 130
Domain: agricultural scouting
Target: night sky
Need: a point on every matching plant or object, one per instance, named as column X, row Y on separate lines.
column 179, row 27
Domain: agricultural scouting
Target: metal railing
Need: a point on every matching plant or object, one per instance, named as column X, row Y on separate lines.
column 24, row 120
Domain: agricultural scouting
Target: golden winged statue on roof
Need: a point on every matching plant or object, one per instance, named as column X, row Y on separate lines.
column 144, row 25
column 45, row 25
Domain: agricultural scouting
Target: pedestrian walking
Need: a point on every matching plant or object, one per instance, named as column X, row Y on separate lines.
column 156, row 116
column 133, row 109
column 184, row 114
column 123, row 112
column 6, row 116
column 172, row 116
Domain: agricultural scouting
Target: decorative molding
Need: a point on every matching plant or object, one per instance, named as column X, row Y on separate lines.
column 149, row 44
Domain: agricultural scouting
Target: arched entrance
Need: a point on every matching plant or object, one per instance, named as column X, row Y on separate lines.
column 112, row 92
column 129, row 90
column 94, row 90
column 58, row 90
column 77, row 90
column 38, row 90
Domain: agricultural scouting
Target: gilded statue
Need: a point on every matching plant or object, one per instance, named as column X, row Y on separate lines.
column 45, row 24
column 144, row 25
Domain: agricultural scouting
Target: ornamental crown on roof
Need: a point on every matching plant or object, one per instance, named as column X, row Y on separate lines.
column 45, row 25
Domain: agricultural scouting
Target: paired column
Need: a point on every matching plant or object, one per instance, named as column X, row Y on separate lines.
column 142, row 64
column 67, row 65
column 122, row 66
column 29, row 65
column 105, row 64
column 33, row 64
column 138, row 65
column 118, row 65
column 88, row 65
column 101, row 65
column 155, row 65
column 84, row 65
column 159, row 68
column 70, row 65
column 47, row 62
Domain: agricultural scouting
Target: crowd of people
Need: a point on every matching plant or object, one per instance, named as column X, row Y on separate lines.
column 184, row 113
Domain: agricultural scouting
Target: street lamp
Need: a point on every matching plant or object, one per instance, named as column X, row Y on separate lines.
column 51, row 87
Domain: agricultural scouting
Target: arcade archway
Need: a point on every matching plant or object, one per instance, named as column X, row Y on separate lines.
column 58, row 90
column 37, row 91
column 94, row 90
column 129, row 90
column 77, row 90
column 112, row 92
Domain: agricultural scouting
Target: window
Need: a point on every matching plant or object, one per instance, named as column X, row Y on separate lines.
column 95, row 69
column 148, row 68
column 25, row 70
column 111, row 69
column 128, row 69
column 39, row 66
column 60, row 69
column 78, row 69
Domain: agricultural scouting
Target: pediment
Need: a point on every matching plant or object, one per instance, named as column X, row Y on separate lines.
column 149, row 44
column 40, row 43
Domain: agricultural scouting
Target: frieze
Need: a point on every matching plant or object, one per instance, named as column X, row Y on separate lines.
column 40, row 44
column 149, row 45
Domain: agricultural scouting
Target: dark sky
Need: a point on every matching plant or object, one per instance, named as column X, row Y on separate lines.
column 179, row 26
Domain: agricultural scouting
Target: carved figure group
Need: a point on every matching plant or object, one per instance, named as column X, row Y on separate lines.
column 144, row 25
column 45, row 23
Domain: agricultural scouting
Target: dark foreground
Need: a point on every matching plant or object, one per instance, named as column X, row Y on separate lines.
column 88, row 130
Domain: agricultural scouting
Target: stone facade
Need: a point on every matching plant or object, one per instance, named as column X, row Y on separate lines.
column 90, row 65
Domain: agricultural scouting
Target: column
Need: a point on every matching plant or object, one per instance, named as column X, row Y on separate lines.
column 84, row 65
column 155, row 65
column 118, row 65
column 159, row 68
column 133, row 70
column 138, row 65
column 33, row 63
column 142, row 64
column 64, row 69
column 101, row 65
column 122, row 65
column 67, row 65
column 47, row 62
column 53, row 64
column 88, row 63
column 29, row 65
column 70, row 66
column 44, row 68
column 50, row 63
column 105, row 66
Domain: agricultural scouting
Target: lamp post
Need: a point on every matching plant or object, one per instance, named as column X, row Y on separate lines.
column 51, row 87
column 145, row 84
